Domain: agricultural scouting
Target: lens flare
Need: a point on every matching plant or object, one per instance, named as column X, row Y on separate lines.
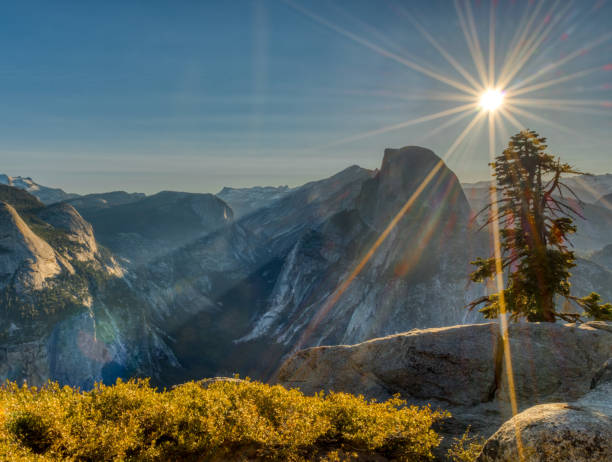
column 491, row 100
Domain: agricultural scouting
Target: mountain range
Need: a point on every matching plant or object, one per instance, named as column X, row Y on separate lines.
column 43, row 193
column 179, row 286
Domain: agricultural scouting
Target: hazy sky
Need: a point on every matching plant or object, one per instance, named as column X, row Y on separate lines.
column 151, row 95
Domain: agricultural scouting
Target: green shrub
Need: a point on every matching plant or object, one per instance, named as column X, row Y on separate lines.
column 467, row 448
column 224, row 420
column 30, row 430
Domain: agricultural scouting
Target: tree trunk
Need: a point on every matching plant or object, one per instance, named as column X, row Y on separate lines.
column 548, row 308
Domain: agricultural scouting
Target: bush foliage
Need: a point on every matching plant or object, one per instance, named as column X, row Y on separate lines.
column 225, row 420
column 467, row 448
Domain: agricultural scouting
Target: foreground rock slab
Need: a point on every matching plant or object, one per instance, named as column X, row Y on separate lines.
column 580, row 431
column 460, row 368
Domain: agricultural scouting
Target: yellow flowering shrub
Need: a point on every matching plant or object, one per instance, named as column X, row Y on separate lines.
column 218, row 421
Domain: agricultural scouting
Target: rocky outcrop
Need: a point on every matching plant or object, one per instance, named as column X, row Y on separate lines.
column 460, row 368
column 26, row 260
column 580, row 431
column 64, row 217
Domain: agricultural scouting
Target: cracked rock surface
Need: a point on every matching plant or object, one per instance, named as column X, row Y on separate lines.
column 461, row 369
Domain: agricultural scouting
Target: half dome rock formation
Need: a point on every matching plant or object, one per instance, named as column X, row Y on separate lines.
column 578, row 431
column 460, row 368
column 416, row 278
column 403, row 171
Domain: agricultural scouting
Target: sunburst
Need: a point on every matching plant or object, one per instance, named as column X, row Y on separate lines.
column 492, row 99
column 486, row 90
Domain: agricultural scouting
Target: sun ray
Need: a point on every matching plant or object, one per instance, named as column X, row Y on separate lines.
column 568, row 22
column 559, row 102
column 525, row 47
column 491, row 45
column 559, row 108
column 544, row 120
column 520, row 36
column 594, row 194
column 501, row 127
column 335, row 296
column 499, row 280
column 549, row 83
column 475, row 40
column 523, row 24
column 452, row 61
column 532, row 45
column 450, row 122
column 367, row 27
column 377, row 49
column 472, row 45
column 421, row 96
column 560, row 62
column 577, row 107
column 389, row 128
column 513, row 120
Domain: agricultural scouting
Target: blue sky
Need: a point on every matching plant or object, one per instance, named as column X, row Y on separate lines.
column 151, row 95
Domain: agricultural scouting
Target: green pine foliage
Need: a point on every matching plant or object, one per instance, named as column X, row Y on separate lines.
column 535, row 212
column 593, row 307
column 225, row 420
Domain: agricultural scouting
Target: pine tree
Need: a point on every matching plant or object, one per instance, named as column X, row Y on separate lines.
column 535, row 215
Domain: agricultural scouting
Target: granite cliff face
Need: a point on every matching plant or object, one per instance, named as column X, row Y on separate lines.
column 26, row 261
column 65, row 310
column 417, row 277
column 64, row 218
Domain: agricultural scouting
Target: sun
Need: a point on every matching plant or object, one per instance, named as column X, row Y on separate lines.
column 491, row 99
